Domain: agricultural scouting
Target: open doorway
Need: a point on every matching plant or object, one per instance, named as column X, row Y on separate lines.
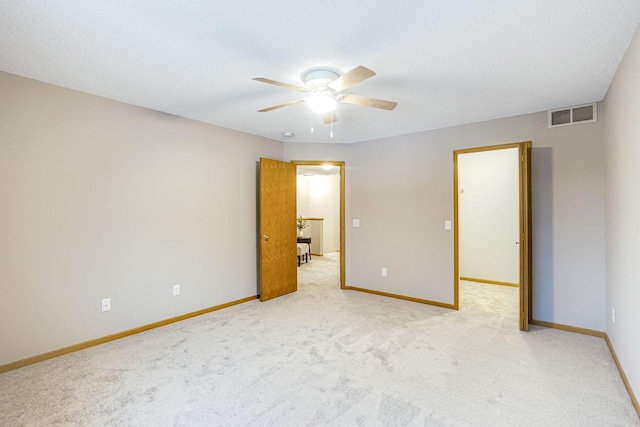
column 320, row 205
column 493, row 221
column 488, row 216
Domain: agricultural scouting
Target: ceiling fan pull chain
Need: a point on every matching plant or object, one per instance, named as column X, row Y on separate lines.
column 312, row 115
column 331, row 134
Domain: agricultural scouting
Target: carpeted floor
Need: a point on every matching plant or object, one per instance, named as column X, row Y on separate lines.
column 323, row 356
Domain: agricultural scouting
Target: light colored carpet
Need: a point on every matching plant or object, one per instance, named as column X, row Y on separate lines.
column 323, row 356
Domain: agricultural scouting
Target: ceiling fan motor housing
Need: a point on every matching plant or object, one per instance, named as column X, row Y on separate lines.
column 319, row 79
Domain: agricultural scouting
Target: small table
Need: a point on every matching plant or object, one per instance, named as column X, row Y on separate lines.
column 306, row 240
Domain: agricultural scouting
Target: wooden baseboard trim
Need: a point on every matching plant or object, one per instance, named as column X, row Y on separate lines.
column 568, row 328
column 386, row 294
column 81, row 346
column 625, row 380
column 491, row 282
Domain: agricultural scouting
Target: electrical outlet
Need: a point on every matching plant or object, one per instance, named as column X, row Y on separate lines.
column 383, row 272
column 106, row 304
column 176, row 290
column 613, row 315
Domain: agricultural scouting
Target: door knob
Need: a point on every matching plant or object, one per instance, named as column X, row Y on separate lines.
column 265, row 237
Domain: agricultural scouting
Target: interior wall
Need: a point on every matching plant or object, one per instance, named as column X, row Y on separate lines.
column 489, row 215
column 106, row 200
column 621, row 111
column 401, row 190
column 319, row 197
column 302, row 199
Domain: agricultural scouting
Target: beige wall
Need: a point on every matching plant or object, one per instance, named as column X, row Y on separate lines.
column 102, row 199
column 622, row 113
column 401, row 190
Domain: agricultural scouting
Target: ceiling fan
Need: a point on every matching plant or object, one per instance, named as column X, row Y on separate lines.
column 325, row 91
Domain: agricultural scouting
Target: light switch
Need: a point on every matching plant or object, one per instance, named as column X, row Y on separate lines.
column 356, row 223
column 447, row 225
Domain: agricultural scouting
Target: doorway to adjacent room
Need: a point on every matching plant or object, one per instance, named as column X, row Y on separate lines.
column 320, row 205
column 492, row 220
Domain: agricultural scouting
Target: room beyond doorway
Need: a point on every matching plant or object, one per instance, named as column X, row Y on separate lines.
column 488, row 216
column 335, row 224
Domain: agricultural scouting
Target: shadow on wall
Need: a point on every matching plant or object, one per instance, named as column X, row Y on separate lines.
column 542, row 238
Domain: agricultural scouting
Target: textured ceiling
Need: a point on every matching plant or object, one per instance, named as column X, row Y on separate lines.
column 445, row 62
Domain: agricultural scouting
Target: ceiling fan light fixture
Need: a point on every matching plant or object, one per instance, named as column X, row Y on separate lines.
column 322, row 103
column 325, row 89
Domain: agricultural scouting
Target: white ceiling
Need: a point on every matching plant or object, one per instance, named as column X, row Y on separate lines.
column 445, row 62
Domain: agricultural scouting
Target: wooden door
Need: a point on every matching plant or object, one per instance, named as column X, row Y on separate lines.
column 278, row 254
column 524, row 149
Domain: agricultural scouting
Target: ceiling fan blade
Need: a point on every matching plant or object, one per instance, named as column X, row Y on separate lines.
column 351, row 78
column 368, row 102
column 284, row 85
column 330, row 117
column 286, row 104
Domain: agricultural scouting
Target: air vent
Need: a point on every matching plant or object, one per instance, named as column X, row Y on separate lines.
column 573, row 115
